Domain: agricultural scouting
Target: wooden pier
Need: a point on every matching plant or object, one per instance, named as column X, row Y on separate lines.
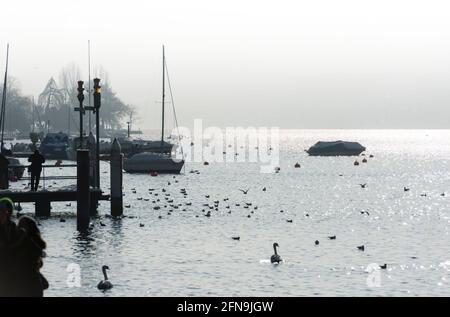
column 87, row 192
column 21, row 154
column 44, row 198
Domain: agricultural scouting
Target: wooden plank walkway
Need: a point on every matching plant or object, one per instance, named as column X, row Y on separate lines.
column 21, row 154
column 49, row 178
column 43, row 198
column 59, row 195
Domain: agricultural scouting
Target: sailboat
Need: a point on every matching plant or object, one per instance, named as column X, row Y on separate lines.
column 150, row 162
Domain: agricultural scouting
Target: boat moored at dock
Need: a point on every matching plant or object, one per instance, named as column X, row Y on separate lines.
column 148, row 162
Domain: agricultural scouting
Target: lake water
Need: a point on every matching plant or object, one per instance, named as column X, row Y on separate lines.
column 185, row 255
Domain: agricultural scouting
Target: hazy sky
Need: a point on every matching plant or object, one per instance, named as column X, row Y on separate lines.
column 292, row 64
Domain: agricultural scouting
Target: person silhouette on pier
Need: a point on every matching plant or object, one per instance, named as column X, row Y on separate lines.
column 35, row 168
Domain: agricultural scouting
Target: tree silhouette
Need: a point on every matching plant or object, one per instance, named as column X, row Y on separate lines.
column 18, row 108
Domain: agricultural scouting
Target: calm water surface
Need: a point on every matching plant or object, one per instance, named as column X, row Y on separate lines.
column 185, row 255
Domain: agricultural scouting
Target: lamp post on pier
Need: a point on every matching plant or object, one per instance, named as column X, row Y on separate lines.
column 96, row 110
column 81, row 109
column 97, row 104
column 83, row 188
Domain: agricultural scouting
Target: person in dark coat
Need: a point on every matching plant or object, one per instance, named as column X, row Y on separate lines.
column 35, row 168
column 11, row 239
column 29, row 260
column 21, row 253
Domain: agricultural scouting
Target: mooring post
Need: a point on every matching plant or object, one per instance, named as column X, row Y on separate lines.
column 93, row 211
column 42, row 208
column 92, row 171
column 92, row 166
column 116, row 179
column 83, row 190
column 4, row 172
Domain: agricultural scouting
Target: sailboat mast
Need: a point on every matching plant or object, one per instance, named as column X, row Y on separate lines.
column 163, row 97
column 89, row 93
column 68, row 120
column 2, row 117
column 33, row 115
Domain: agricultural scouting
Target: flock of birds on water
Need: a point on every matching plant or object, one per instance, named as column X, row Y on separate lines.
column 208, row 208
column 168, row 202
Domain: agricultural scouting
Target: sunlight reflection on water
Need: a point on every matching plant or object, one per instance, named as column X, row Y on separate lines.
column 188, row 254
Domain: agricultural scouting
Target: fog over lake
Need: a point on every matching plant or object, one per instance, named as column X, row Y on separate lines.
column 292, row 64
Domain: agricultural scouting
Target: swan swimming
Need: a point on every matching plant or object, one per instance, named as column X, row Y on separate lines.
column 276, row 258
column 105, row 284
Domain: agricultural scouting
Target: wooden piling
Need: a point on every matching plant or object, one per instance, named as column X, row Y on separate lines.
column 116, row 179
column 4, row 172
column 83, row 190
column 92, row 170
column 93, row 209
column 92, row 166
column 42, row 208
